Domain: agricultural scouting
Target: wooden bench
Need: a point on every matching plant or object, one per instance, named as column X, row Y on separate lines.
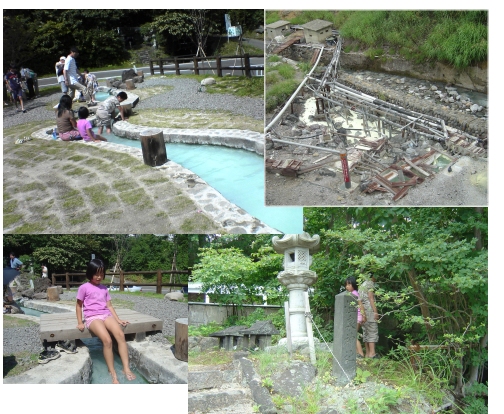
column 63, row 326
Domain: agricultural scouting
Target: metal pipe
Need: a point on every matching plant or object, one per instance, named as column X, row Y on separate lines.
column 275, row 120
column 305, row 145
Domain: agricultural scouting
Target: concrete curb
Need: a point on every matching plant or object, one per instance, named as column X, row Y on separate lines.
column 157, row 363
column 67, row 369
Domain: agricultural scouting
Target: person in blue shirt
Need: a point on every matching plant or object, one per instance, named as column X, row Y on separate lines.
column 15, row 263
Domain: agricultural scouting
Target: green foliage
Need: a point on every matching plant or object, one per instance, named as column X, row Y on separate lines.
column 267, row 383
column 239, row 275
column 384, row 399
column 204, row 330
column 279, row 93
column 285, row 70
column 459, row 38
column 361, row 376
column 474, row 402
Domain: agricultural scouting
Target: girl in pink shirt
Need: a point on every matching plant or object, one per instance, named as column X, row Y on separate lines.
column 351, row 286
column 85, row 127
column 101, row 319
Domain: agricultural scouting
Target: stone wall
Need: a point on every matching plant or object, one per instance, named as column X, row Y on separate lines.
column 204, row 313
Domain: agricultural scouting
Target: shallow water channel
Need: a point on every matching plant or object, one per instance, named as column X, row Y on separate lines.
column 237, row 174
column 99, row 373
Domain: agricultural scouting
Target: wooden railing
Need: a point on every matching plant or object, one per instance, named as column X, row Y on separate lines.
column 68, row 281
column 177, row 61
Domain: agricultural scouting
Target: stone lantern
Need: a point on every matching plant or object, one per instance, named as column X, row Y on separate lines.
column 297, row 276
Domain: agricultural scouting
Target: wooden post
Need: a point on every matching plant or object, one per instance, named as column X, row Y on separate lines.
column 159, row 282
column 177, row 66
column 54, row 279
column 161, row 67
column 153, row 147
column 196, row 68
column 67, row 280
column 151, row 64
column 218, row 62
column 121, row 281
column 248, row 72
column 181, row 344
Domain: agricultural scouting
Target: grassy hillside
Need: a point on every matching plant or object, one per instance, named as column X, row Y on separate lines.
column 459, row 38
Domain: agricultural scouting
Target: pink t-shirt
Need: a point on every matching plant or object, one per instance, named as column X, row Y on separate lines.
column 83, row 125
column 359, row 316
column 94, row 298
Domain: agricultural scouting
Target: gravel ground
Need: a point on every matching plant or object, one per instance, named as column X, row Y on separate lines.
column 183, row 95
column 27, row 338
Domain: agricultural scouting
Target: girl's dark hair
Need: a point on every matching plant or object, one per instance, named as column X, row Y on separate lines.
column 94, row 266
column 83, row 112
column 352, row 281
column 65, row 104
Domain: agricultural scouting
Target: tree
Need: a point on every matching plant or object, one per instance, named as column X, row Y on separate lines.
column 433, row 272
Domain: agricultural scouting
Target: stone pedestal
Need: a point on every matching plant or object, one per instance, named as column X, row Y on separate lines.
column 52, row 294
column 345, row 335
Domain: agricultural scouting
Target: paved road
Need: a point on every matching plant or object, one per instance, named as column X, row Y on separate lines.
column 170, row 70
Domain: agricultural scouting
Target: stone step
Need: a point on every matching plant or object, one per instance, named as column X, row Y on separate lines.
column 232, row 400
column 200, row 380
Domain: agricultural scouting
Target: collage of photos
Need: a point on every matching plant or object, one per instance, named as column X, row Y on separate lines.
column 259, row 211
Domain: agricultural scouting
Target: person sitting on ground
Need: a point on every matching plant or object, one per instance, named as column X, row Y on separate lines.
column 65, row 121
column 59, row 66
column 92, row 85
column 108, row 108
column 13, row 82
column 85, row 127
column 101, row 319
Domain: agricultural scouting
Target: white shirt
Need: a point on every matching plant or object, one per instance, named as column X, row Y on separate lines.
column 61, row 78
column 71, row 68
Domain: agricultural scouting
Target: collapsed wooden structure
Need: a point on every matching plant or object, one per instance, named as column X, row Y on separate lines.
column 383, row 124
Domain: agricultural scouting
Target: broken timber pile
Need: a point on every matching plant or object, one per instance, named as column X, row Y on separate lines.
column 285, row 45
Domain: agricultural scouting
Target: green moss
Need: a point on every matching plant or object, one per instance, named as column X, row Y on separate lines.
column 197, row 224
column 122, row 185
column 77, row 158
column 80, row 171
column 137, row 197
column 29, row 228
column 153, row 180
column 140, row 168
column 10, row 206
column 73, row 202
column 10, row 219
column 79, row 219
column 99, row 196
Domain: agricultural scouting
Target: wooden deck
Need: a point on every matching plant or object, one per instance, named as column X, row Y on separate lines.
column 63, row 326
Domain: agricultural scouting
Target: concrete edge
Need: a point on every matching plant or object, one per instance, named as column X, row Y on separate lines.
column 228, row 216
column 157, row 363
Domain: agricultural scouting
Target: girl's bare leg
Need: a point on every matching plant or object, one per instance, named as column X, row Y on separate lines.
column 115, row 329
column 100, row 330
column 359, row 346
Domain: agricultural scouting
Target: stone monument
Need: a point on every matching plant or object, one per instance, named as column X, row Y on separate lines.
column 345, row 334
column 297, row 277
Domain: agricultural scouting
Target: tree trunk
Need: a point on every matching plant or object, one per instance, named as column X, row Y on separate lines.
column 421, row 300
column 153, row 147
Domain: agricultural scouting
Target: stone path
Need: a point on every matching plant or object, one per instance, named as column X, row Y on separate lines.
column 54, row 186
